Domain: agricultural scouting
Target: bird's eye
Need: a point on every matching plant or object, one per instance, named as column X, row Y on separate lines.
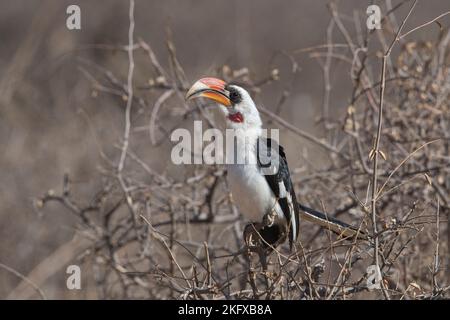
column 235, row 96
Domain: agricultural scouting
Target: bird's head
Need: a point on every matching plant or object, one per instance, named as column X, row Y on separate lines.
column 235, row 102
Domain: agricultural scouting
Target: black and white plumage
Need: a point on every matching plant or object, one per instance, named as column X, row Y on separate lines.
column 282, row 188
column 266, row 198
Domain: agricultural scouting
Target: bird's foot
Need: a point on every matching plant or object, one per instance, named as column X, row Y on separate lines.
column 255, row 243
column 252, row 236
column 269, row 218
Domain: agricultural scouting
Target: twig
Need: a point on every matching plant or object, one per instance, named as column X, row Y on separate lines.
column 436, row 253
column 126, row 135
column 424, row 25
column 298, row 131
column 377, row 146
column 25, row 279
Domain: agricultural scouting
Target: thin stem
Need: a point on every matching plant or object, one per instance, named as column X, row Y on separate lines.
column 377, row 147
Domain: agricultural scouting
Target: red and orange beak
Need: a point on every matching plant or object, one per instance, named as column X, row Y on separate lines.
column 210, row 88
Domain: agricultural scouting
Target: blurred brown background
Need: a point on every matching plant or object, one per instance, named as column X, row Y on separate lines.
column 43, row 133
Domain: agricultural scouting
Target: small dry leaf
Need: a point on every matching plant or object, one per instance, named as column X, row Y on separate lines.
column 434, row 87
column 423, row 96
column 100, row 260
column 348, row 125
column 351, row 109
column 240, row 73
column 427, row 177
column 275, row 74
column 160, row 80
column 129, row 200
column 410, row 46
column 383, row 155
column 120, row 268
column 39, row 204
column 415, row 285
column 371, row 154
column 393, row 221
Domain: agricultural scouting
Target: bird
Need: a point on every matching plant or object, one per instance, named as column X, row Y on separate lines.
column 264, row 195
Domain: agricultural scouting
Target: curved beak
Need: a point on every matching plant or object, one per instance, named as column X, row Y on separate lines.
column 210, row 88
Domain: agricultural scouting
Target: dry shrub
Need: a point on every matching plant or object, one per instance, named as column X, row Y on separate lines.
column 178, row 235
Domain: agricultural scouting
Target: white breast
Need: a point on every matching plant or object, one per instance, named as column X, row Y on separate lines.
column 250, row 190
column 251, row 193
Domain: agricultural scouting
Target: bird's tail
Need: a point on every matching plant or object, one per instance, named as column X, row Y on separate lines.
column 341, row 228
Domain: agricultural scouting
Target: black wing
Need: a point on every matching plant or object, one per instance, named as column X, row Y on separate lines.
column 280, row 182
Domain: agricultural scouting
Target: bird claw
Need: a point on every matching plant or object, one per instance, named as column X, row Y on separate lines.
column 269, row 218
column 251, row 236
column 253, row 239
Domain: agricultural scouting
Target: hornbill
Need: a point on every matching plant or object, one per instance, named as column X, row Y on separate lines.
column 265, row 197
